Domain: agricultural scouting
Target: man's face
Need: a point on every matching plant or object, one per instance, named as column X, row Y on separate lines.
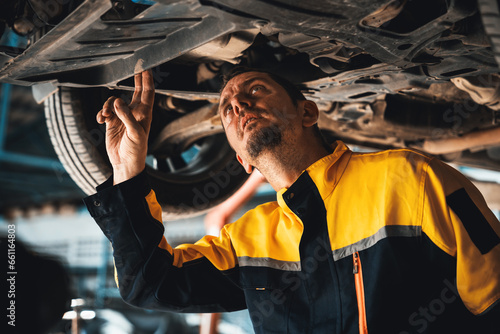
column 257, row 114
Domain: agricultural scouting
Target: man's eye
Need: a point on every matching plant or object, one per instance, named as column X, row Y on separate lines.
column 255, row 89
column 228, row 109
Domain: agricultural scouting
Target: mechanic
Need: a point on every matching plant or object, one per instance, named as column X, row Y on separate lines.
column 386, row 242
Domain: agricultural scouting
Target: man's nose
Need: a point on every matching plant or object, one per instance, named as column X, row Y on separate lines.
column 240, row 104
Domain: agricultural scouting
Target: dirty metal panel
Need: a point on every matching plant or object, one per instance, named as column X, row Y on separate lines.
column 81, row 48
column 34, row 59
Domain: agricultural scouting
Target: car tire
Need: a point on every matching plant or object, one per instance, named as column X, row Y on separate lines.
column 209, row 178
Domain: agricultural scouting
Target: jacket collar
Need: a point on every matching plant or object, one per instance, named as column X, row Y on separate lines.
column 325, row 173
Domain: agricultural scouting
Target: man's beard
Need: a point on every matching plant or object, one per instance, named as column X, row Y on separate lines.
column 264, row 138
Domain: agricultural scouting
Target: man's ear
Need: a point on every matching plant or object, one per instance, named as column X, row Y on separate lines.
column 246, row 166
column 311, row 113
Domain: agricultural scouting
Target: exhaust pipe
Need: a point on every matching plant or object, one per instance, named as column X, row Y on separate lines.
column 489, row 137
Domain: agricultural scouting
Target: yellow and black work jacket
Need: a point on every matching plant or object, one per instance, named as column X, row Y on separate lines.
column 386, row 242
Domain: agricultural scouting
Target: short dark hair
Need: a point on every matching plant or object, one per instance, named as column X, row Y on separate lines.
column 292, row 90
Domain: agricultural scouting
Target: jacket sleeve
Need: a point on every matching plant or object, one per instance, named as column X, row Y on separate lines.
column 202, row 277
column 457, row 219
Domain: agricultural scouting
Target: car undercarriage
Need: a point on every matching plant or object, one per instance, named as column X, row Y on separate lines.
column 385, row 74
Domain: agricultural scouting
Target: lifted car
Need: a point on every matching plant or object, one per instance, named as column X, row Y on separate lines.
column 385, row 74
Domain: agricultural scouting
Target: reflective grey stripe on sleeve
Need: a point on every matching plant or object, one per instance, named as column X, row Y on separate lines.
column 384, row 232
column 247, row 261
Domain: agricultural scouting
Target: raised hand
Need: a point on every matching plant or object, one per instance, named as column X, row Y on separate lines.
column 127, row 128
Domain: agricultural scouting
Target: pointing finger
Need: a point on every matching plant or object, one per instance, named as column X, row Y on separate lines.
column 148, row 88
column 136, row 98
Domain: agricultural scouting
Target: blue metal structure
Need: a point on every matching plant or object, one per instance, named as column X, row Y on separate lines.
column 13, row 40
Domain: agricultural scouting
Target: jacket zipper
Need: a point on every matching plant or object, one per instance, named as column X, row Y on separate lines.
column 360, row 293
